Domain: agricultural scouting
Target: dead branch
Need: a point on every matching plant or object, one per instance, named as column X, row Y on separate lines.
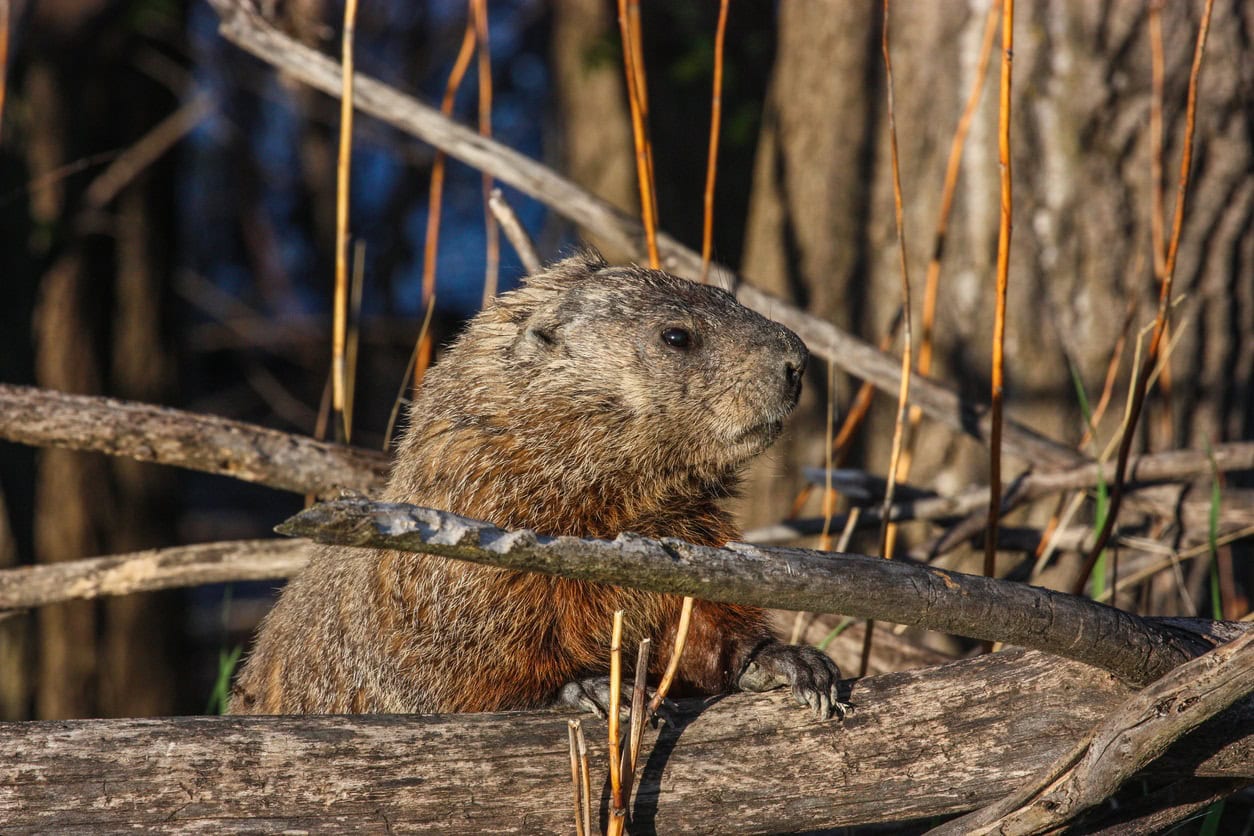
column 1236, row 511
column 199, row 442
column 1136, row 734
column 936, row 741
column 144, row 571
column 796, row 579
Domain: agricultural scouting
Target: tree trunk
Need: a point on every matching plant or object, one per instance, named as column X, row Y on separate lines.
column 821, row 227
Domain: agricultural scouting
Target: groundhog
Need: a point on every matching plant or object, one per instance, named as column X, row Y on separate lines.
column 592, row 401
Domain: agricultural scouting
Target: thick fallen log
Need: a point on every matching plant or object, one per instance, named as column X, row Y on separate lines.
column 923, row 743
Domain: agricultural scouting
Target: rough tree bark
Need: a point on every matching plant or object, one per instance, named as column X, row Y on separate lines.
column 821, row 225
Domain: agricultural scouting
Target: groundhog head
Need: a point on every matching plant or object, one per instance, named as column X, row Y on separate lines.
column 673, row 373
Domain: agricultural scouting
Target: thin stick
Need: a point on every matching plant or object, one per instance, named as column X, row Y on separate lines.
column 585, row 778
column 514, row 231
column 435, row 203
column 672, row 665
column 635, row 733
column 1137, row 398
column 340, row 316
column 629, row 14
column 492, row 267
column 356, row 286
column 907, row 358
column 716, row 118
column 5, row 17
column 618, row 811
column 571, row 725
column 1003, row 276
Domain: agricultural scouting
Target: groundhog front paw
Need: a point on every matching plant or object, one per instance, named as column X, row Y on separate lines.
column 593, row 694
column 814, row 677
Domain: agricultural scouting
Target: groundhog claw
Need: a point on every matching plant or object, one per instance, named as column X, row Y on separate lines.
column 593, row 694
column 813, row 677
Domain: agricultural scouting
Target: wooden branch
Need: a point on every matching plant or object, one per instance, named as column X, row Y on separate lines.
column 1176, row 465
column 795, row 579
column 935, row 741
column 183, row 439
column 122, row 574
column 1137, row 733
column 243, row 27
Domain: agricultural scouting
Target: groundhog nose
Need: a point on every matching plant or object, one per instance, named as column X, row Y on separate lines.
column 794, row 368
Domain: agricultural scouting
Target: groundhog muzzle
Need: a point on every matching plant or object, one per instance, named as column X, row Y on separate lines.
column 592, row 401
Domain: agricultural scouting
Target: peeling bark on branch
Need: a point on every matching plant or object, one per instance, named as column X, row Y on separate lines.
column 199, row 442
column 935, row 741
column 1134, row 649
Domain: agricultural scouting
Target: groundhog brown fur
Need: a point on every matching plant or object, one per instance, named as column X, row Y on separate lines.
column 592, row 401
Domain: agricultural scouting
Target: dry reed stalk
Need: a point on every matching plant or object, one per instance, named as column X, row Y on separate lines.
column 716, row 118
column 585, row 778
column 618, row 810
column 1158, row 212
column 409, row 367
column 907, row 352
column 1137, row 398
column 1003, row 276
column 340, row 315
column 434, row 203
column 931, row 287
column 357, row 284
column 574, row 774
column 5, row 16
column 635, row 732
column 492, row 269
column 672, row 664
column 637, row 95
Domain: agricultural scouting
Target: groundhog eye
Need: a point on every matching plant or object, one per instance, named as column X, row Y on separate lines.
column 677, row 337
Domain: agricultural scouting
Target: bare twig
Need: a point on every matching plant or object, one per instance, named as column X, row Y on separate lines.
column 672, row 664
column 585, row 778
column 145, row 571
column 618, row 806
column 514, row 231
column 1140, row 385
column 571, row 725
column 887, row 529
column 435, row 204
column 1136, row 734
column 791, row 579
column 1003, row 274
column 711, row 168
column 492, row 267
column 340, row 315
column 183, row 439
column 638, row 97
column 635, row 733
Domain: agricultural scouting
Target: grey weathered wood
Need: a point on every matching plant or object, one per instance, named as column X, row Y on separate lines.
column 1138, row 650
column 144, row 571
column 1136, row 733
column 183, row 439
column 922, row 743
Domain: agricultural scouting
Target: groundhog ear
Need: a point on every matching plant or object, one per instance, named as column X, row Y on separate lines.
column 539, row 336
